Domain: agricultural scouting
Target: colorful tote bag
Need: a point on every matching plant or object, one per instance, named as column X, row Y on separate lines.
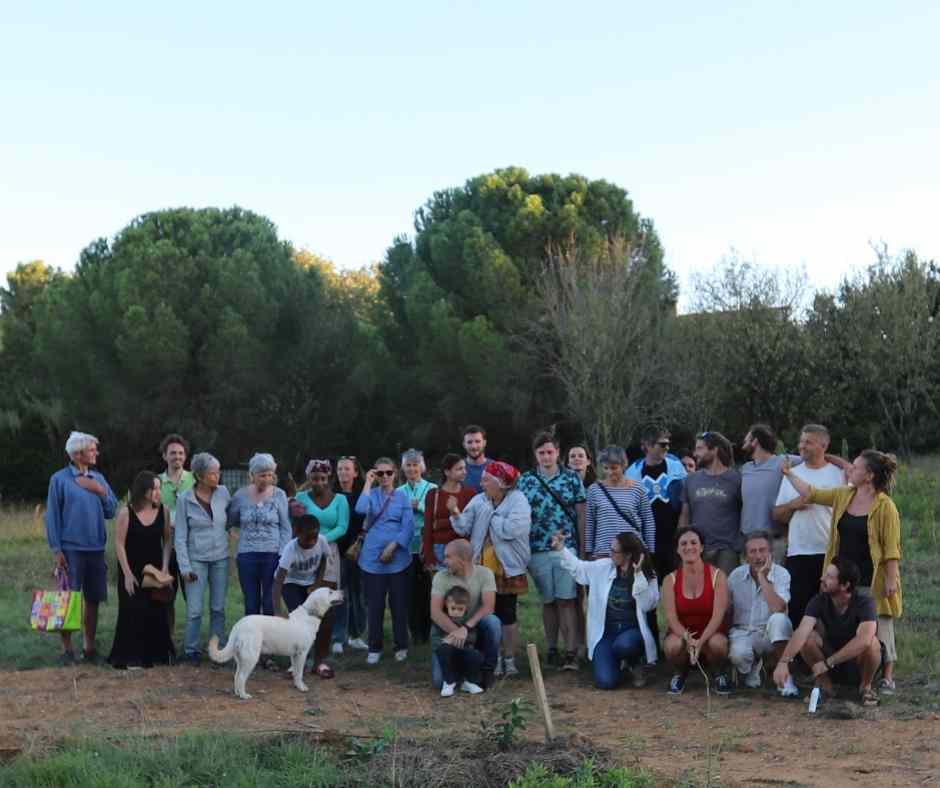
column 57, row 611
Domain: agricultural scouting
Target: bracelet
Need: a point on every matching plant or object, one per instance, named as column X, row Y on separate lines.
column 786, row 661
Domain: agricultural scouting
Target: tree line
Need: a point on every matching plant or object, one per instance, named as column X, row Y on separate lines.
column 519, row 301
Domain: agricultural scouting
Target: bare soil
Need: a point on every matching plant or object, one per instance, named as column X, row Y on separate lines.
column 750, row 738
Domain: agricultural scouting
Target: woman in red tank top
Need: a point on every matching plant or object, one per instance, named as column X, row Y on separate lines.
column 695, row 599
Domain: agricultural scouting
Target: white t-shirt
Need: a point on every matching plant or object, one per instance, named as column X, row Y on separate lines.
column 809, row 528
column 302, row 565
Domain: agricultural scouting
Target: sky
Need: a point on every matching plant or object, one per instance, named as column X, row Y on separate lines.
column 796, row 133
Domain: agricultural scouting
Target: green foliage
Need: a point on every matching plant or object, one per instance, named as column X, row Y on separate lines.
column 513, row 722
column 537, row 776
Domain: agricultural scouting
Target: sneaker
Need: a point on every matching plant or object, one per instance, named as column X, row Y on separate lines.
column 887, row 687
column 447, row 690
column 358, row 644
column 570, row 662
column 337, row 649
column 789, row 689
column 677, row 683
column 470, row 687
column 401, row 655
column 500, row 668
column 637, row 676
column 753, row 679
column 509, row 667
column 67, row 659
column 373, row 658
column 722, row 685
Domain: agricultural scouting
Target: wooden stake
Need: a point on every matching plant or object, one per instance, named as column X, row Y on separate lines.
column 536, row 671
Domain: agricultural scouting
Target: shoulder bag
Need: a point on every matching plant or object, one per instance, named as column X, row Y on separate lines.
column 352, row 552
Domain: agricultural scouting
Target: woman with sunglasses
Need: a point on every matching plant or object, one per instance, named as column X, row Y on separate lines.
column 385, row 557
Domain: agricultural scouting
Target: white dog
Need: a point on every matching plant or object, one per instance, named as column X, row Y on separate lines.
column 290, row 637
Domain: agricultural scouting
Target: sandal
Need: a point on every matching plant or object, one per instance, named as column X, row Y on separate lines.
column 869, row 698
column 324, row 671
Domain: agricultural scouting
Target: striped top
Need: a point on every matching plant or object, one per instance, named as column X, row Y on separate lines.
column 604, row 522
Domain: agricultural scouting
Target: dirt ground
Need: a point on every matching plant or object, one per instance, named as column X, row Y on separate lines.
column 753, row 737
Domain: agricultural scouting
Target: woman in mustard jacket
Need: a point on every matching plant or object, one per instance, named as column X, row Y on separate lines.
column 867, row 529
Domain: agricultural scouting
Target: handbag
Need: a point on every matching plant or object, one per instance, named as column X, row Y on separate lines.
column 352, row 552
column 59, row 610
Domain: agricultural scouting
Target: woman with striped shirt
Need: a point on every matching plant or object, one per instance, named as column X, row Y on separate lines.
column 614, row 505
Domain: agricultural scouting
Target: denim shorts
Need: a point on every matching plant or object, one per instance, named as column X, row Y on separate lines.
column 88, row 573
column 552, row 580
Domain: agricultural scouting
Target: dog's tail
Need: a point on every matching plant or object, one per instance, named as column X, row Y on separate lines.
column 225, row 654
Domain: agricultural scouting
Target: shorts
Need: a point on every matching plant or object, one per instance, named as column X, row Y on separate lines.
column 552, row 580
column 88, row 573
column 885, row 631
column 505, row 608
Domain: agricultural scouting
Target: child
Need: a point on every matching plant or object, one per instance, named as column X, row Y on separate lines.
column 459, row 663
column 299, row 571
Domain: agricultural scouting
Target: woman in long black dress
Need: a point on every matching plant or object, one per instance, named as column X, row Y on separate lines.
column 142, row 536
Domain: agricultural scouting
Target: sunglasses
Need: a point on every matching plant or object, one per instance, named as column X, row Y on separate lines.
column 352, row 457
column 384, row 473
column 703, row 436
column 664, row 444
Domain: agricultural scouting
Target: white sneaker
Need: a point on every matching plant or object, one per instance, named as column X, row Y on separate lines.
column 499, row 669
column 753, row 679
column 468, row 686
column 337, row 649
column 509, row 667
column 358, row 644
column 447, row 690
column 373, row 658
column 789, row 689
column 401, row 655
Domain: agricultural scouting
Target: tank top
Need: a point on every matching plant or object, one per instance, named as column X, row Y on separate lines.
column 695, row 612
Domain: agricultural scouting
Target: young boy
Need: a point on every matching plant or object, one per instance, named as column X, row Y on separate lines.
column 459, row 663
column 299, row 571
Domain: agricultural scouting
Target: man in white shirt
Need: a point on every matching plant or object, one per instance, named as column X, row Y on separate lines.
column 809, row 524
column 759, row 592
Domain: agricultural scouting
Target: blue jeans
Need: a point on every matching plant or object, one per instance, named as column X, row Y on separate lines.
column 459, row 664
column 256, row 576
column 489, row 636
column 618, row 643
column 351, row 615
column 213, row 574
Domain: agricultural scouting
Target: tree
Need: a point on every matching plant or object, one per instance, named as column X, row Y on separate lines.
column 884, row 335
column 466, row 285
column 199, row 321
column 598, row 322
column 742, row 355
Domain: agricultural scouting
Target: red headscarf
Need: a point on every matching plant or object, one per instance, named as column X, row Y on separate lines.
column 503, row 472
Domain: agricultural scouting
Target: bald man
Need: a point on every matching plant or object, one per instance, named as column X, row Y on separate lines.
column 481, row 584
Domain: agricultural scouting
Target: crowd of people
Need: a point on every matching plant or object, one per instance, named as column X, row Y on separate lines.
column 789, row 564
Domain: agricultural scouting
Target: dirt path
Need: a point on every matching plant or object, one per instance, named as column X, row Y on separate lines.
column 754, row 739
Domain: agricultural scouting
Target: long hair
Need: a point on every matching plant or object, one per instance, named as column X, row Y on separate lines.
column 631, row 546
column 140, row 487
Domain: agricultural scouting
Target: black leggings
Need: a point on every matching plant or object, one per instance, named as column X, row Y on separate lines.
column 505, row 608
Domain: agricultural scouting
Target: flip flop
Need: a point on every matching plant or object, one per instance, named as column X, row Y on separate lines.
column 868, row 698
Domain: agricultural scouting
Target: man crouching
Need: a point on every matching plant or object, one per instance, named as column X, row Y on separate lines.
column 837, row 636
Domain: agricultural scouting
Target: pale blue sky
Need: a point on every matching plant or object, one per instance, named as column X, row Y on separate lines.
column 796, row 132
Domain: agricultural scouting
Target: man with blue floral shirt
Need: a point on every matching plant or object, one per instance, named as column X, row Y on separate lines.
column 556, row 496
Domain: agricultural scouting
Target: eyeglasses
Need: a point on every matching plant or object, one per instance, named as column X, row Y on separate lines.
column 384, row 473
column 664, row 444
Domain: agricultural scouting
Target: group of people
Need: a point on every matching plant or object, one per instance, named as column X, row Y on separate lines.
column 819, row 582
